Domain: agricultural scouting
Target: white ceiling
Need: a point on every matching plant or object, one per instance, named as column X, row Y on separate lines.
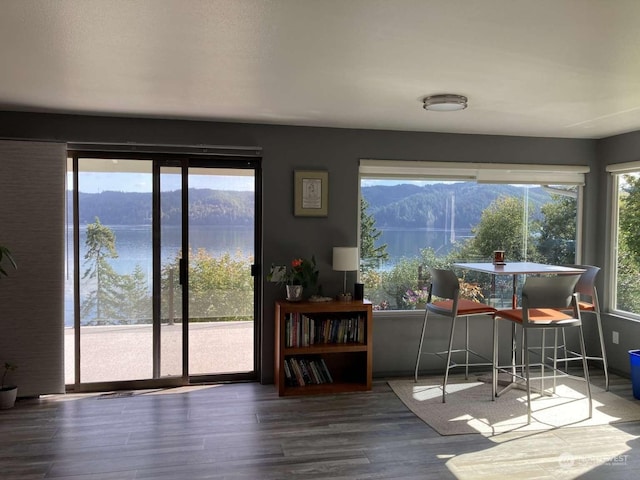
column 558, row 68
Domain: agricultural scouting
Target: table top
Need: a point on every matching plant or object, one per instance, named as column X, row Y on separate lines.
column 515, row 268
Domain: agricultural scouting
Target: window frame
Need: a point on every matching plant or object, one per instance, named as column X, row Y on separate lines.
column 517, row 174
column 611, row 290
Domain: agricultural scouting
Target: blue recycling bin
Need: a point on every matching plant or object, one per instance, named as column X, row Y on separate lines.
column 634, row 359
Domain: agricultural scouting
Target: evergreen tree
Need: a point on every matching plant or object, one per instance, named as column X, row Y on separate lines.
column 135, row 300
column 103, row 300
column 370, row 255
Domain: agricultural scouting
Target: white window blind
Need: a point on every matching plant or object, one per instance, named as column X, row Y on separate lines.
column 32, row 182
column 480, row 172
column 628, row 167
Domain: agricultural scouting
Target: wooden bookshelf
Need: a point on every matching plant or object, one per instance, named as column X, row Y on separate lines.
column 336, row 336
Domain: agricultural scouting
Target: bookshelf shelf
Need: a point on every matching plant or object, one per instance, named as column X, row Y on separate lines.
column 318, row 349
column 323, row 347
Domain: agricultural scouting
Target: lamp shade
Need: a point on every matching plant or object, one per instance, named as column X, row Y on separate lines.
column 346, row 259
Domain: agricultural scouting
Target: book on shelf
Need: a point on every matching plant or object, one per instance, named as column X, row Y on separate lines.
column 317, row 376
column 325, row 370
column 289, row 377
column 304, row 331
column 307, row 370
column 295, row 368
column 306, row 376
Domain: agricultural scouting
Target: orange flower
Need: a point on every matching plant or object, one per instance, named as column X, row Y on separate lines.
column 302, row 272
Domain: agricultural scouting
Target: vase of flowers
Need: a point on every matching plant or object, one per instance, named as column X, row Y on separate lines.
column 294, row 293
column 300, row 277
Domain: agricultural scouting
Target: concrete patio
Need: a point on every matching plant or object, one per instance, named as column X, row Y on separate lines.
column 124, row 352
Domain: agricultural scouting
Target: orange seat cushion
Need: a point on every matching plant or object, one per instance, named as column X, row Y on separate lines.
column 466, row 307
column 586, row 306
column 583, row 306
column 536, row 315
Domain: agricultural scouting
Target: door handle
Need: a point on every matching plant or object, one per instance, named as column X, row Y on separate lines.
column 183, row 272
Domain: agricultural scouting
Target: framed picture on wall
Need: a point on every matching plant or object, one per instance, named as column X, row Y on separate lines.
column 311, row 193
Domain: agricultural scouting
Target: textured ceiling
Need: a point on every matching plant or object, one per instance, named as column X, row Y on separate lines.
column 559, row 68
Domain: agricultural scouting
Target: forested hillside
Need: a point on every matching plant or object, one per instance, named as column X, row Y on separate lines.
column 208, row 207
column 398, row 206
column 429, row 206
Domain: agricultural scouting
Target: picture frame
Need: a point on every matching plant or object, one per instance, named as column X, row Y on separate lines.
column 311, row 193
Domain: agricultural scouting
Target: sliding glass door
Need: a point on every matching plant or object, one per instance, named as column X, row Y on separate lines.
column 164, row 254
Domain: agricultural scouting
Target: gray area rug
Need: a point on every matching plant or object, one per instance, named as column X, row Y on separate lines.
column 470, row 409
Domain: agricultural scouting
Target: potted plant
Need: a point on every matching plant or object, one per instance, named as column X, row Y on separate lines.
column 302, row 275
column 6, row 253
column 8, row 393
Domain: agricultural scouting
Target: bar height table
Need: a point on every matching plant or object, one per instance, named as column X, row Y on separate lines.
column 515, row 269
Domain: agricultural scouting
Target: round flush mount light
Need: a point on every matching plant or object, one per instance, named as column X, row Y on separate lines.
column 445, row 102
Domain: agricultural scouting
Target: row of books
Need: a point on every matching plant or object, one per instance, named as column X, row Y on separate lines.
column 303, row 331
column 301, row 371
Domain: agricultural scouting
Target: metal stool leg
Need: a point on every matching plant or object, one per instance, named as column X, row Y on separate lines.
column 494, row 369
column 446, row 372
column 466, row 347
column 585, row 367
column 603, row 352
column 527, row 373
column 424, row 329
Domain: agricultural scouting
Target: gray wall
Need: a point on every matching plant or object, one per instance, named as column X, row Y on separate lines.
column 286, row 148
column 616, row 149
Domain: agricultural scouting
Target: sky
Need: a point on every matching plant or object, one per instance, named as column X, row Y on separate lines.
column 96, row 182
column 369, row 182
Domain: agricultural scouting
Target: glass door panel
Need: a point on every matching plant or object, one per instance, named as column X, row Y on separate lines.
column 171, row 327
column 69, row 282
column 221, row 253
column 115, row 236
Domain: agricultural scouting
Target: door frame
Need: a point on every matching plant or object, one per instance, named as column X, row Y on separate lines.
column 201, row 157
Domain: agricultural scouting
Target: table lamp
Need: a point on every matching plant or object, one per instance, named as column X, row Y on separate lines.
column 346, row 259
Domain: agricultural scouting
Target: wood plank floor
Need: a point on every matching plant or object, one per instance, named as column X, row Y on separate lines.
column 245, row 431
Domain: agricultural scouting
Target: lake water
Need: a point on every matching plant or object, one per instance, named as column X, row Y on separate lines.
column 134, row 247
column 409, row 242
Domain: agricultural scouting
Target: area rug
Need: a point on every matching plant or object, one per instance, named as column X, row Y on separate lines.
column 470, row 409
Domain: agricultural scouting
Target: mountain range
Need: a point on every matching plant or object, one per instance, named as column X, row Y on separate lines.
column 397, row 206
column 430, row 206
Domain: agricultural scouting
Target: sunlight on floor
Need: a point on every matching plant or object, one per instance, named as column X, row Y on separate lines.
column 554, row 457
column 68, row 397
column 428, row 392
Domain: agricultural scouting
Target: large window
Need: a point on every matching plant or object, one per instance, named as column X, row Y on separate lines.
column 625, row 259
column 416, row 215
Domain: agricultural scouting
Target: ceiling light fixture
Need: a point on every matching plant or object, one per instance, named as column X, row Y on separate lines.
column 445, row 102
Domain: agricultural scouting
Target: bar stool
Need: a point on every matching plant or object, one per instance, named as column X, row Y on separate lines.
column 547, row 303
column 588, row 303
column 446, row 287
